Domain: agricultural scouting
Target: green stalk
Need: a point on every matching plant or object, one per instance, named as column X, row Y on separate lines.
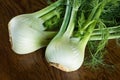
column 71, row 24
column 114, row 32
column 66, row 20
column 93, row 13
column 50, row 15
column 96, row 17
column 110, row 29
column 48, row 9
column 99, row 37
column 87, row 25
column 83, row 42
column 96, row 12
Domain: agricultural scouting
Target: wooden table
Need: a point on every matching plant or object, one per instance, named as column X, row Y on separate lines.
column 34, row 66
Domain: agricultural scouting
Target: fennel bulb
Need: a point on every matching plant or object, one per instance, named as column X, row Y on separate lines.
column 63, row 52
column 27, row 34
column 26, row 31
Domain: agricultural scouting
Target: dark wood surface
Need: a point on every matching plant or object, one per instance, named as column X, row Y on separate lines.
column 34, row 66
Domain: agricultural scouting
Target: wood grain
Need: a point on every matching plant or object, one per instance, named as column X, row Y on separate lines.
column 34, row 66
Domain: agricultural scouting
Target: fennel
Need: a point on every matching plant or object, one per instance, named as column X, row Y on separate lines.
column 85, row 22
column 63, row 52
column 27, row 32
column 56, row 51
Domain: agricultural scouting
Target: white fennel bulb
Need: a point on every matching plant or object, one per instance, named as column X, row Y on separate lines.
column 27, row 33
column 65, row 54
